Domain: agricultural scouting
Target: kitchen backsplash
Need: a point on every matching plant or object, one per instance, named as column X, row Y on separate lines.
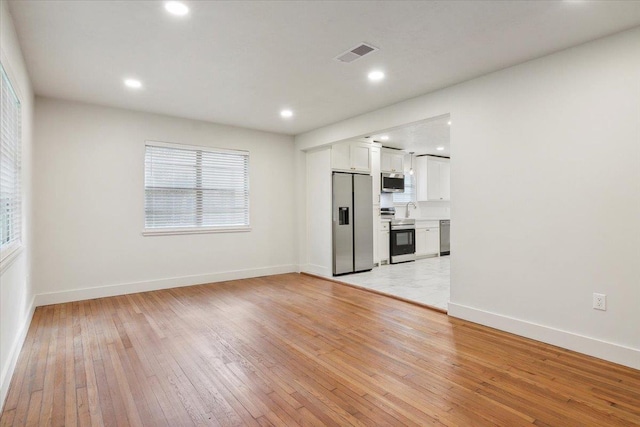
column 386, row 200
column 423, row 210
column 440, row 210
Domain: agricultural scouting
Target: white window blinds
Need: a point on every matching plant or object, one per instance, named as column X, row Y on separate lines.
column 409, row 190
column 10, row 194
column 195, row 187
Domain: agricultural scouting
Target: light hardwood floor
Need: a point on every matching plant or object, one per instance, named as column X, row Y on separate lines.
column 297, row 350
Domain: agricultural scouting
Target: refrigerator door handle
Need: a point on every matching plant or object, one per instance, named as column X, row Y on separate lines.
column 343, row 214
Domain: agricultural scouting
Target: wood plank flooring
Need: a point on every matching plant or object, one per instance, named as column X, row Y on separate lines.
column 296, row 350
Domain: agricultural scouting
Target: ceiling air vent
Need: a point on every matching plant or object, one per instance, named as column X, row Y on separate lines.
column 356, row 53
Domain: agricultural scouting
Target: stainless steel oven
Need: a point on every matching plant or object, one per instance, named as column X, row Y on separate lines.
column 402, row 241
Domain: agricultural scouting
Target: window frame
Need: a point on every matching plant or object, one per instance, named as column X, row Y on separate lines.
column 10, row 251
column 163, row 231
column 413, row 193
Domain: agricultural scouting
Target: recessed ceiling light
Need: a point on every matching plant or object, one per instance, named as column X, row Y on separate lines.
column 384, row 138
column 176, row 8
column 449, row 122
column 440, row 148
column 286, row 113
column 376, row 76
column 133, row 83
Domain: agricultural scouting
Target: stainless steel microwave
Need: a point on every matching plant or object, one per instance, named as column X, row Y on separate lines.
column 392, row 183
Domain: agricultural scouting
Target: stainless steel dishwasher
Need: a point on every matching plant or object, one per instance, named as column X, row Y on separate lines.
column 445, row 243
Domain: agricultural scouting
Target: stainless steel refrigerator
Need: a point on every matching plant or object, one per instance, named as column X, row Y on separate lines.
column 352, row 223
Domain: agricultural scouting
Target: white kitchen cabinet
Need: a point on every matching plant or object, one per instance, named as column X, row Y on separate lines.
column 421, row 241
column 433, row 179
column 351, row 157
column 391, row 161
column 383, row 243
column 375, row 183
column 376, row 234
column 361, row 157
column 427, row 241
column 341, row 156
column 445, row 180
column 433, row 241
column 375, row 173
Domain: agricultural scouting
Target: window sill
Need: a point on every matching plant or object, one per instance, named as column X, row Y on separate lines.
column 9, row 255
column 200, row 230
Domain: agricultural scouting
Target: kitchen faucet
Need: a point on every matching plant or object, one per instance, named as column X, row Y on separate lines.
column 406, row 214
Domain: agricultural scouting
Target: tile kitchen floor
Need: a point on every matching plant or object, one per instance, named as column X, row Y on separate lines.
column 425, row 281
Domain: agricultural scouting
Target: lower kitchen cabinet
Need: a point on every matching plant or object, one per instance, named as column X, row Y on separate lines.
column 421, row 241
column 427, row 241
column 383, row 243
column 433, row 241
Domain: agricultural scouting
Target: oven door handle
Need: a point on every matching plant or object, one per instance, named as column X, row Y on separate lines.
column 402, row 227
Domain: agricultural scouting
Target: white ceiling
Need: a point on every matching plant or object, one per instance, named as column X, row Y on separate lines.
column 241, row 62
column 423, row 137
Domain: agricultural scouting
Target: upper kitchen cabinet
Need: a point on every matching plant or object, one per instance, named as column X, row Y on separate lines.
column 391, row 161
column 351, row 157
column 433, row 179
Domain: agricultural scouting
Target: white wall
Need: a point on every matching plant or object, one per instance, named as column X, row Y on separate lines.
column 545, row 194
column 16, row 297
column 89, row 195
column 318, row 259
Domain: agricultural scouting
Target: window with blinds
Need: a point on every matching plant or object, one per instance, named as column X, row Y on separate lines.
column 195, row 189
column 409, row 194
column 10, row 194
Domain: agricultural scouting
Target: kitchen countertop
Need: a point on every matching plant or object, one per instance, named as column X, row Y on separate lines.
column 418, row 219
column 431, row 222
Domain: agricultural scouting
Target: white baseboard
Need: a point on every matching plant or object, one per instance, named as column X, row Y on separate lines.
column 153, row 285
column 318, row 270
column 7, row 371
column 616, row 353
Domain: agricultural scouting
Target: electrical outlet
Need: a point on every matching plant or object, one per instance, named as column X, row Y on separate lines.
column 599, row 301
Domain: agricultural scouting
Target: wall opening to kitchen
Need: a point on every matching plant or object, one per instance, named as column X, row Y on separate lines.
column 410, row 169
